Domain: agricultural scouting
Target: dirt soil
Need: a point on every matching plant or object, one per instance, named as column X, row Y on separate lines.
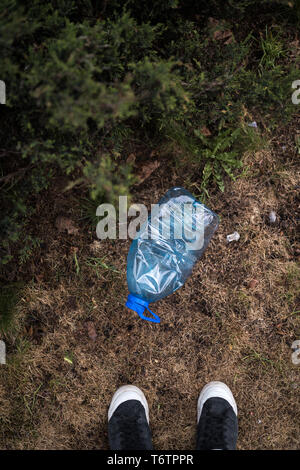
column 234, row 320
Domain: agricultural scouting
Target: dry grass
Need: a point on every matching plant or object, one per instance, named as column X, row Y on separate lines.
column 232, row 321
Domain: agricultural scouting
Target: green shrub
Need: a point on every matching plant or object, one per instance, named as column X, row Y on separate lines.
column 87, row 80
column 219, row 157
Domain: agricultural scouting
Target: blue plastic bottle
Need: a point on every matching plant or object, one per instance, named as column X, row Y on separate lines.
column 164, row 251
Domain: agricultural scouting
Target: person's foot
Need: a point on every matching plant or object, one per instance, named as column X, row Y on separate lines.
column 128, row 420
column 217, row 426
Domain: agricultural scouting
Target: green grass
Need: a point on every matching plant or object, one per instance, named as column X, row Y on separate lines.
column 220, row 158
column 98, row 265
column 293, row 285
column 88, row 209
column 76, row 264
column 9, row 296
column 272, row 48
column 30, row 401
column 255, row 356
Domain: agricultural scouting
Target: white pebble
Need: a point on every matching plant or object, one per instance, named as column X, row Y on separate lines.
column 252, row 124
column 272, row 217
column 235, row 236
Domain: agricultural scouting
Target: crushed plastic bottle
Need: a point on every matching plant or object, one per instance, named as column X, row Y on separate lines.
column 164, row 251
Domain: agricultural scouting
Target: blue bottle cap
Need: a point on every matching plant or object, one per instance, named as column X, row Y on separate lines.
column 139, row 305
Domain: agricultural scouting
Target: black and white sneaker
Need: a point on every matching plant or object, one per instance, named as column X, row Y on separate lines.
column 217, row 427
column 128, row 420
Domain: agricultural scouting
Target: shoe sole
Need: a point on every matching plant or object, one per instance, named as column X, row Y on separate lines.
column 213, row 390
column 125, row 393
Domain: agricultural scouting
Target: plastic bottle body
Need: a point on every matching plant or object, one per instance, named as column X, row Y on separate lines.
column 163, row 254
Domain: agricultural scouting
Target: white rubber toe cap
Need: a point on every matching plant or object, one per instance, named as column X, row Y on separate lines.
column 215, row 389
column 125, row 393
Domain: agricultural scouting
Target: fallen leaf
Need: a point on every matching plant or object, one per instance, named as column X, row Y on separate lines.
column 130, row 159
column 95, row 247
column 253, row 283
column 147, row 170
column 279, row 330
column 39, row 277
column 91, row 330
column 205, row 131
column 64, row 223
column 219, row 32
column 213, row 22
column 294, row 44
column 223, row 35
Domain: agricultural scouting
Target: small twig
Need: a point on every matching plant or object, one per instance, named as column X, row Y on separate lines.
column 20, row 172
column 4, row 152
column 9, row 151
